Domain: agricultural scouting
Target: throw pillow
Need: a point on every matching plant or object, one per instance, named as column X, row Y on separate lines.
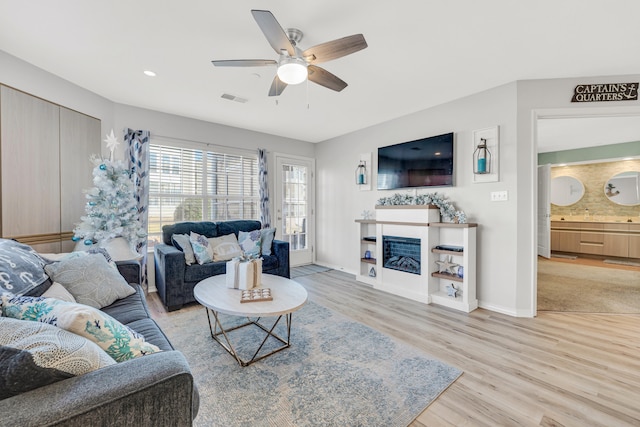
column 202, row 250
column 21, row 268
column 268, row 234
column 250, row 241
column 181, row 241
column 78, row 254
column 119, row 341
column 225, row 247
column 36, row 354
column 57, row 291
column 90, row 280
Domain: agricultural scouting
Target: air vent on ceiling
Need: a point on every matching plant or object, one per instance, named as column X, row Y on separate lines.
column 230, row 97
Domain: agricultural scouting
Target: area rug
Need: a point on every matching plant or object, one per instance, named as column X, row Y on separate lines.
column 337, row 372
column 570, row 287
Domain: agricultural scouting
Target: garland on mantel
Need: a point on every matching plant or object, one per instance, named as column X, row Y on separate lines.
column 447, row 209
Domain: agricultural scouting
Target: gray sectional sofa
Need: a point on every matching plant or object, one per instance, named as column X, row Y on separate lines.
column 154, row 390
column 175, row 279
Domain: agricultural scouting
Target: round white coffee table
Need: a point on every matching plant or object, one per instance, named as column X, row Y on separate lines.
column 213, row 294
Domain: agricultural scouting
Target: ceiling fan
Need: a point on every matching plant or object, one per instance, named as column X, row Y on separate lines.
column 295, row 65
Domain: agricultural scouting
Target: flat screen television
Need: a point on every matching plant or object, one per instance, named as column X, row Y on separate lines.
column 426, row 162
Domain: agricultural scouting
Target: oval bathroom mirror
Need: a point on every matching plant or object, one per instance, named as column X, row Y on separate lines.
column 566, row 190
column 624, row 188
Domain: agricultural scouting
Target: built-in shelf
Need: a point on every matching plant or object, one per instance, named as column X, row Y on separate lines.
column 439, row 297
column 447, row 276
column 442, row 251
column 420, row 222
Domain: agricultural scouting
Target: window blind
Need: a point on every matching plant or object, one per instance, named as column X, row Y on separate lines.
column 188, row 184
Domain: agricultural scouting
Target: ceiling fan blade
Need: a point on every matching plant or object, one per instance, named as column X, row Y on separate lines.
column 277, row 86
column 244, row 62
column 274, row 33
column 324, row 78
column 334, row 49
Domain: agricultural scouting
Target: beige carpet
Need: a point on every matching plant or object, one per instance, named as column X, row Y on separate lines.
column 564, row 286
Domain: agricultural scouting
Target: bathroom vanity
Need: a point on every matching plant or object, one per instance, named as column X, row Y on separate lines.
column 615, row 239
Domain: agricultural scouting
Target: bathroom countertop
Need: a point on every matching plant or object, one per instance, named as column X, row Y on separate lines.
column 634, row 220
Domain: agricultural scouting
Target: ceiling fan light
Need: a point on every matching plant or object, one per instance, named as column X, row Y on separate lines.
column 292, row 71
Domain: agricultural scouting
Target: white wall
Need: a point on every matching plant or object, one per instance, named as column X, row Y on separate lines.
column 340, row 201
column 171, row 126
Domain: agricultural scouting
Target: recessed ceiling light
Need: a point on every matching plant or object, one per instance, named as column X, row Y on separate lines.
column 149, row 73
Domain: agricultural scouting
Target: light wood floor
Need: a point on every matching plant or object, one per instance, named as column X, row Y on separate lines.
column 559, row 369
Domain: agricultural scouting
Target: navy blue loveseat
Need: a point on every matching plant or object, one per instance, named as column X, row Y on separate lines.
column 175, row 279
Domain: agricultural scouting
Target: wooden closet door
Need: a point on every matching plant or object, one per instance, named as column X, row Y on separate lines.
column 79, row 139
column 30, row 159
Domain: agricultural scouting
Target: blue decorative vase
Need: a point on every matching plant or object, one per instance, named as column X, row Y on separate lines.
column 461, row 271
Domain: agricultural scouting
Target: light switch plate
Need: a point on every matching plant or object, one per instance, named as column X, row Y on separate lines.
column 499, row 196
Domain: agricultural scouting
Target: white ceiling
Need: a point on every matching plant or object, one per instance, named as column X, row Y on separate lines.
column 421, row 53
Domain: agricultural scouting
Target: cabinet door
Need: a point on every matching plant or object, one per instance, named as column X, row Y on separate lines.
column 568, row 241
column 29, row 141
column 634, row 241
column 79, row 139
column 616, row 240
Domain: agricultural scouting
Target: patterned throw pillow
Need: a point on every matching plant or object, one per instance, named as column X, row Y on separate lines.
column 268, row 234
column 250, row 242
column 202, row 250
column 21, row 268
column 225, row 247
column 119, row 341
column 90, row 279
column 36, row 354
column 181, row 241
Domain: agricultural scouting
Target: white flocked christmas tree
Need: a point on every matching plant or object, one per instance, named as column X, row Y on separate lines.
column 111, row 209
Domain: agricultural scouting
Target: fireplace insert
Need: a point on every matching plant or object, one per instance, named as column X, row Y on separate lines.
column 401, row 253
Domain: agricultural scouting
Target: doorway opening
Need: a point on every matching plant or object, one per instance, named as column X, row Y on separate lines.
column 577, row 278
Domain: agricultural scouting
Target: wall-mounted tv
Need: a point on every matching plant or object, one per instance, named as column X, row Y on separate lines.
column 425, row 162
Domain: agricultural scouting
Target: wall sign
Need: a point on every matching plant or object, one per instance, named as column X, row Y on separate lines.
column 605, row 92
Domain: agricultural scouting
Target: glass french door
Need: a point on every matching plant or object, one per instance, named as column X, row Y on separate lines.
column 294, row 207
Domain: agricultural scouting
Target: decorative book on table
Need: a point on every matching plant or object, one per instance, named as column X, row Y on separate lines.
column 256, row 295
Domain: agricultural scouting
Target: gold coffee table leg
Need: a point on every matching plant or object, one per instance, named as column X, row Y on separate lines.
column 228, row 346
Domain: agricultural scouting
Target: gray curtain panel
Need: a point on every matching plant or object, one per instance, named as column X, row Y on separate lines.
column 265, row 211
column 138, row 158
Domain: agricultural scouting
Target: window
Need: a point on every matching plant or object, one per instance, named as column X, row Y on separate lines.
column 193, row 185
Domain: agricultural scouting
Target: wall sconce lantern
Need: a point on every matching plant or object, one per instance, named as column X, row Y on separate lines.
column 361, row 173
column 482, row 158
